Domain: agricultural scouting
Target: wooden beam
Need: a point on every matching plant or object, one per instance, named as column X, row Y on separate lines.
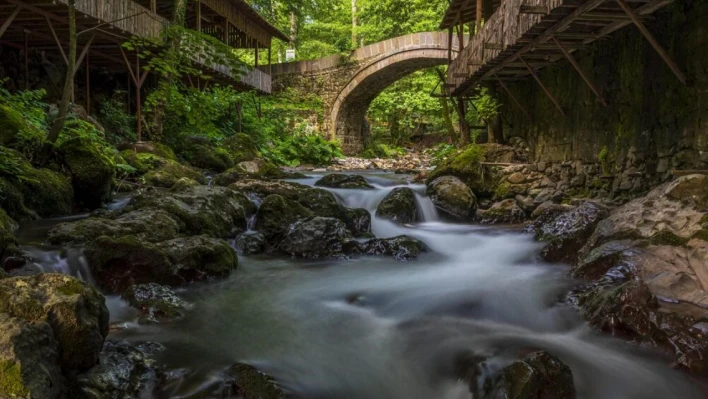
column 460, row 75
column 493, row 46
column 513, row 97
column 83, row 53
column 128, row 65
column 199, row 16
column 545, row 90
column 543, row 37
column 527, row 9
column 56, row 38
column 475, row 63
column 580, row 71
column 9, row 20
column 449, row 45
column 650, row 38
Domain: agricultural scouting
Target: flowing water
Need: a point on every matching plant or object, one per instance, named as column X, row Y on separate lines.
column 373, row 328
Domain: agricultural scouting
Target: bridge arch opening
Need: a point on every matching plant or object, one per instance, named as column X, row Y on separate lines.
column 348, row 114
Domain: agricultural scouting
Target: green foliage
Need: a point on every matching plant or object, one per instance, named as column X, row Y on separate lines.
column 119, row 124
column 304, row 149
column 442, row 152
column 23, row 112
column 175, row 51
column 12, row 164
column 486, row 106
column 88, row 133
column 380, row 150
column 28, row 102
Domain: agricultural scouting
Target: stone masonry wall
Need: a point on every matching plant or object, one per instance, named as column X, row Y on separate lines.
column 653, row 123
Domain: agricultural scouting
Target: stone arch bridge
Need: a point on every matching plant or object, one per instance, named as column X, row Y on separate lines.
column 348, row 85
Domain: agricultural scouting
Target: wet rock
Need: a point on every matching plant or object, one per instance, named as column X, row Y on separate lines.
column 316, row 237
column 241, row 147
column 184, row 183
column 8, row 245
column 548, row 211
column 672, row 213
column 451, row 196
column 149, row 224
column 276, row 214
column 402, row 248
column 214, row 211
column 344, row 181
column 466, row 165
column 399, row 206
column 124, row 371
column 75, row 311
column 321, row 202
column 250, row 243
column 537, row 376
column 29, row 360
column 149, row 147
column 91, row 172
column 254, row 169
column 568, row 232
column 504, row 212
column 165, row 173
column 206, row 156
column 118, row 263
column 248, row 382
column 157, row 302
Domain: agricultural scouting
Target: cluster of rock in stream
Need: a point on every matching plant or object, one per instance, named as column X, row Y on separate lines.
column 644, row 263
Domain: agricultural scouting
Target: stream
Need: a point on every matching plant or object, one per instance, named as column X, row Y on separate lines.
column 373, row 328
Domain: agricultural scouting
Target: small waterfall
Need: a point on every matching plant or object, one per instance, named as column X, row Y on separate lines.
column 426, row 209
column 52, row 260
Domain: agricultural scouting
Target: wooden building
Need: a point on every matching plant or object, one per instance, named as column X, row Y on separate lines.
column 33, row 26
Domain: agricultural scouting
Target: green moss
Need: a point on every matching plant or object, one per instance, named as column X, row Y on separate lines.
column 91, row 170
column 502, row 191
column 667, row 238
column 143, row 162
column 11, row 383
column 72, row 287
column 11, row 124
column 207, row 157
column 48, row 193
column 170, row 172
column 701, row 234
column 241, row 147
column 466, row 165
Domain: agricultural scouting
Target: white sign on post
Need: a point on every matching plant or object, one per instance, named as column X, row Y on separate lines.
column 289, row 55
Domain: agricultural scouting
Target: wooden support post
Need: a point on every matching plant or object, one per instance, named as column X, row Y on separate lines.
column 478, row 16
column 88, row 84
column 9, row 20
column 153, row 6
column 226, row 31
column 56, row 39
column 199, row 15
column 26, row 61
column 650, row 38
column 138, row 80
column 257, row 54
column 545, row 90
column 449, row 46
column 83, row 54
column 580, row 71
column 513, row 97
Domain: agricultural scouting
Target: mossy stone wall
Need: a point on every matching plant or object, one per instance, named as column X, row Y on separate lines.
column 650, row 114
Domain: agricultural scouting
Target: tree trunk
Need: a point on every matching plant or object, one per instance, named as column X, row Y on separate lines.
column 494, row 130
column 58, row 124
column 445, row 106
column 293, row 29
column 355, row 44
column 464, row 127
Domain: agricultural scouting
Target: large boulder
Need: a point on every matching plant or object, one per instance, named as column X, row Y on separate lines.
column 11, row 124
column 504, row 212
column 399, row 206
column 8, row 245
column 537, row 376
column 276, row 214
column 250, row 243
column 672, row 214
column 568, row 232
column 148, row 224
column 75, row 311
column 169, row 172
column 453, row 197
column 260, row 169
column 467, row 166
column 241, row 147
column 214, row 211
column 124, row 371
column 204, row 155
column 321, row 202
column 91, row 172
column 344, row 181
column 118, row 263
column 156, row 302
column 29, row 360
column 316, row 237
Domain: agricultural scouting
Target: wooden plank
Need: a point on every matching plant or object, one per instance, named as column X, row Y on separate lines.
column 9, row 20
column 529, row 9
column 650, row 38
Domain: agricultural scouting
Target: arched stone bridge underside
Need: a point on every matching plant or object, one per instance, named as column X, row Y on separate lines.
column 349, row 85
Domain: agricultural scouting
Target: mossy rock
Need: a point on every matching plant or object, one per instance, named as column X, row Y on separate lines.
column 248, row 382
column 399, row 206
column 208, row 157
column 150, row 147
column 8, row 245
column 183, row 184
column 241, row 147
column 336, row 180
column 170, row 172
column 277, row 213
column 452, row 197
column 256, row 169
column 91, row 171
column 75, row 311
column 11, row 124
column 467, row 166
column 158, row 302
column 143, row 162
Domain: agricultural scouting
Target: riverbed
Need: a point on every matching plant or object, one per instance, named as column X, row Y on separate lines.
column 371, row 327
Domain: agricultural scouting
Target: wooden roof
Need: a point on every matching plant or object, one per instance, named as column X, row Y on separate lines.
column 258, row 19
column 462, row 11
